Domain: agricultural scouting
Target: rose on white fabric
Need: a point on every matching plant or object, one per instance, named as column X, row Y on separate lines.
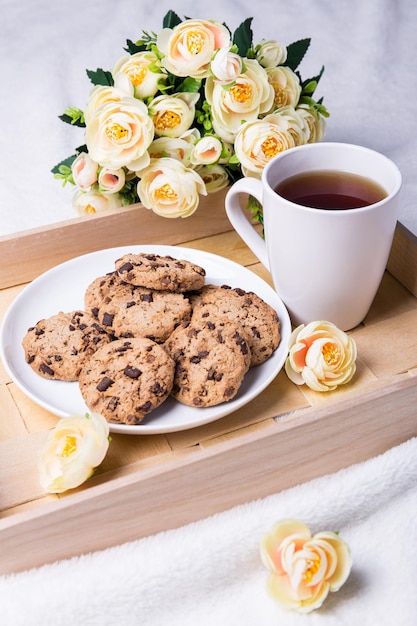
column 260, row 141
column 137, row 68
column 226, row 66
column 214, row 176
column 249, row 97
column 72, row 450
column 91, row 202
column 304, row 568
column 321, row 355
column 206, row 151
column 169, row 188
column 286, row 85
column 270, row 53
column 119, row 134
column 84, row 171
column 189, row 47
column 173, row 115
column 111, row 180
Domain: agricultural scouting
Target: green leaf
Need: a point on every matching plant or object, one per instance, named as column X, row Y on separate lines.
column 190, row 84
column 100, row 77
column 296, row 52
column 73, row 116
column 243, row 36
column 132, row 47
column 171, row 20
column 309, row 86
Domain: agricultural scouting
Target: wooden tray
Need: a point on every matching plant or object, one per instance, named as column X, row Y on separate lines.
column 148, row 484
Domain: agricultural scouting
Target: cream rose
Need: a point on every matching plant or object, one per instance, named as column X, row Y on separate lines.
column 100, row 95
column 189, row 47
column 314, row 121
column 110, row 180
column 214, row 176
column 226, row 66
column 250, row 97
column 270, row 53
column 258, row 142
column 206, row 151
column 72, row 450
column 119, row 134
column 84, row 171
column 304, row 568
column 297, row 124
column 173, row 115
column 137, row 68
column 91, row 202
column 286, row 85
column 169, row 188
column 320, row 355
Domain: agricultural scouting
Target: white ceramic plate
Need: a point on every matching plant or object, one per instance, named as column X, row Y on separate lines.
column 62, row 289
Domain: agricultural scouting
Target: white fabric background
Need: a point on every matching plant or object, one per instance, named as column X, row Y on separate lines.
column 210, row 573
column 368, row 49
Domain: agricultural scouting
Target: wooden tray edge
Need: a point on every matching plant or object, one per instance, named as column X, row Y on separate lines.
column 30, row 253
column 136, row 505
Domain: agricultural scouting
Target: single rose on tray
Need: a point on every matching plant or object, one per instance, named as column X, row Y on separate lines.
column 186, row 112
column 72, row 450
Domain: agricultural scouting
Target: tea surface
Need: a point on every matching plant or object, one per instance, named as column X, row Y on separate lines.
column 329, row 189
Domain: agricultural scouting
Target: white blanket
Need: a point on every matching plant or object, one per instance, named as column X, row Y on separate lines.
column 209, row 573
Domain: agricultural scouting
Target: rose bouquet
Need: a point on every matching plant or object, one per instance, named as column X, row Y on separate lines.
column 186, row 112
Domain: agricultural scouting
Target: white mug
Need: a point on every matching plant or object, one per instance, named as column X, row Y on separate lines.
column 326, row 264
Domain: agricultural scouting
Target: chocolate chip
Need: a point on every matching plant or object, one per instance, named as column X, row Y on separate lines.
column 132, row 372
column 229, row 392
column 198, row 357
column 46, row 370
column 104, row 383
column 113, row 403
column 107, row 319
column 126, row 267
column 158, row 390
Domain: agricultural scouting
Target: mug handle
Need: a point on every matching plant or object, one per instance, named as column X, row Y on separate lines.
column 238, row 219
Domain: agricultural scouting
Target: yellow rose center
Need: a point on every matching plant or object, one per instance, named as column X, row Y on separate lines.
column 166, row 192
column 241, row 92
column 166, row 120
column 137, row 74
column 116, row 131
column 89, row 209
column 313, row 566
column 331, row 353
column 70, row 446
column 270, row 147
column 195, row 42
column 280, row 98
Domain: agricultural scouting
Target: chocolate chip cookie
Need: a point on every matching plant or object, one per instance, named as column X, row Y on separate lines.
column 245, row 308
column 57, row 347
column 211, row 359
column 127, row 379
column 160, row 272
column 129, row 311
